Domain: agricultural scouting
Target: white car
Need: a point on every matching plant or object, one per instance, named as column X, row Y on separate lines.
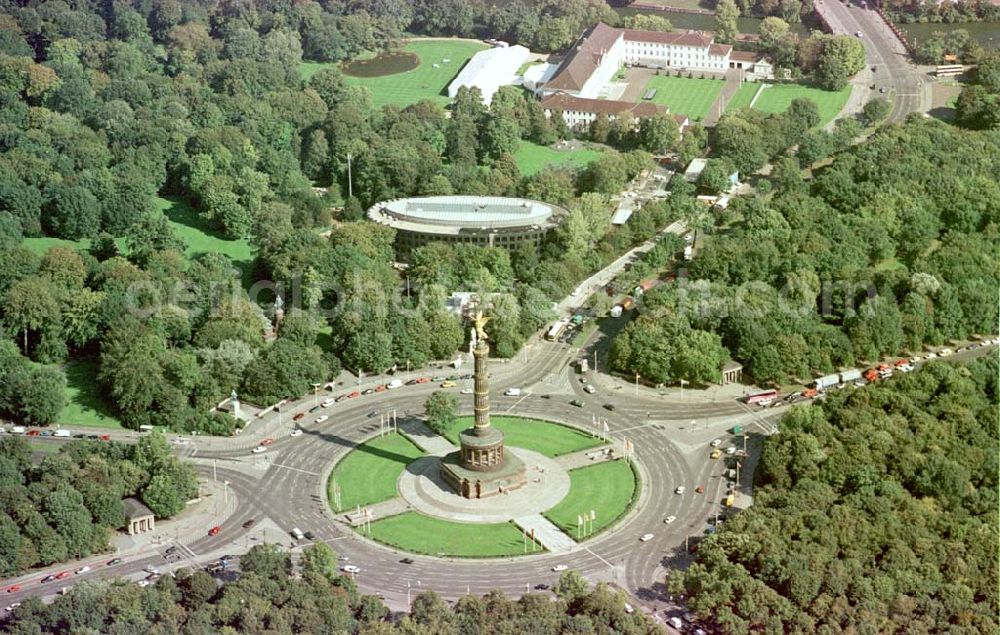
column 590, row 389
column 466, row 391
column 914, row 360
column 259, row 449
column 321, row 418
column 675, row 622
column 559, row 567
column 669, row 519
column 716, row 443
column 646, row 537
column 858, row 33
column 930, row 355
column 350, row 568
column 328, row 402
column 295, row 433
column 679, row 490
column 151, row 569
column 945, row 352
column 12, row 606
column 81, row 570
column 143, row 583
column 731, row 450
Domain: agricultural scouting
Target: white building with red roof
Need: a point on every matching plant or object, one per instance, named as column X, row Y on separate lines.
column 597, row 56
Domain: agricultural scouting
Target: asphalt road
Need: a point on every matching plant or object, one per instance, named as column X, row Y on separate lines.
column 287, row 485
column 904, row 82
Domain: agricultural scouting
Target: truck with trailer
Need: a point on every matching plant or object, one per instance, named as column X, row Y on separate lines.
column 849, row 376
column 827, row 381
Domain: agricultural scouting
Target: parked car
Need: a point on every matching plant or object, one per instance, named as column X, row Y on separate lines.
column 560, row 567
column 114, row 561
column 329, row 402
column 610, row 407
column 407, row 561
column 295, row 433
column 267, row 441
column 248, row 524
column 716, row 453
column 590, row 389
column 576, row 402
column 214, row 531
column 448, row 384
column 13, row 606
column 322, row 419
column 679, row 490
column 62, row 575
column 669, row 519
column 14, row 588
column 47, row 579
column 646, row 537
column 716, row 443
column 299, row 417
column 700, row 489
column 353, row 394
column 466, row 391
column 309, row 535
column 367, row 391
column 350, row 568
column 422, row 380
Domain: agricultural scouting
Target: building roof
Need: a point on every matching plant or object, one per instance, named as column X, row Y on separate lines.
column 134, row 509
column 453, row 214
column 744, row 56
column 562, row 101
column 676, row 38
column 490, row 69
column 720, row 49
column 585, row 57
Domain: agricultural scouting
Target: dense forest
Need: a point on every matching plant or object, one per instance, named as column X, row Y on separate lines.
column 874, row 510
column 114, row 113
column 888, row 248
column 69, row 504
column 272, row 596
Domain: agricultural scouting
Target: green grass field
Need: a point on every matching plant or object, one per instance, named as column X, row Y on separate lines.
column 607, row 488
column 198, row 236
column 532, row 158
column 201, row 238
column 550, row 439
column 368, row 474
column 85, row 405
column 691, row 97
column 417, row 533
column 777, row 98
column 423, row 82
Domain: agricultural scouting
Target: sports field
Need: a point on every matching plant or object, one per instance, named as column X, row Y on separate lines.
column 532, row 158
column 368, row 474
column 550, row 439
column 85, row 405
column 777, row 98
column 423, row 82
column 606, row 488
column 415, row 532
column 692, row 97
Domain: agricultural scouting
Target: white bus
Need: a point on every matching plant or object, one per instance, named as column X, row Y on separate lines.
column 556, row 330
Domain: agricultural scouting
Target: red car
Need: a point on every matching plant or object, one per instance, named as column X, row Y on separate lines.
column 354, row 394
column 299, row 416
column 214, row 531
column 380, row 388
column 63, row 575
column 267, row 441
column 105, row 437
column 423, row 380
column 34, row 433
column 700, row 489
column 14, row 588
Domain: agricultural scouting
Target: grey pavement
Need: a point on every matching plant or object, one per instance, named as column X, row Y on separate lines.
column 425, row 438
column 583, row 458
column 546, row 534
column 391, row 507
column 733, row 83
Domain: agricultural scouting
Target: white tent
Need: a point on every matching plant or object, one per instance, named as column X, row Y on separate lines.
column 489, row 70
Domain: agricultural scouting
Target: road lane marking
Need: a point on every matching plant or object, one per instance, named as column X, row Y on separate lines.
column 295, row 469
column 526, row 395
column 611, row 566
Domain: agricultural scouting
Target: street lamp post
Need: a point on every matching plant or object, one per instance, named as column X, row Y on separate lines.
column 316, row 394
column 682, row 388
column 637, row 384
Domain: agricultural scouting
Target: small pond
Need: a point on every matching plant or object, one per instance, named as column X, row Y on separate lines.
column 387, row 63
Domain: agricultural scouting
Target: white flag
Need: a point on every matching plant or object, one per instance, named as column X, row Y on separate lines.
column 593, row 514
column 579, row 520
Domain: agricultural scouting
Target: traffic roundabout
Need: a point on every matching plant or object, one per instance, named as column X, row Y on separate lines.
column 391, row 489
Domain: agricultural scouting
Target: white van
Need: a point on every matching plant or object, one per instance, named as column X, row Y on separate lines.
column 18, row 430
column 145, row 428
column 395, row 383
column 63, row 433
column 297, row 533
column 512, row 392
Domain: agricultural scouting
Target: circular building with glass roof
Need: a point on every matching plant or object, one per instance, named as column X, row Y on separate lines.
column 489, row 221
